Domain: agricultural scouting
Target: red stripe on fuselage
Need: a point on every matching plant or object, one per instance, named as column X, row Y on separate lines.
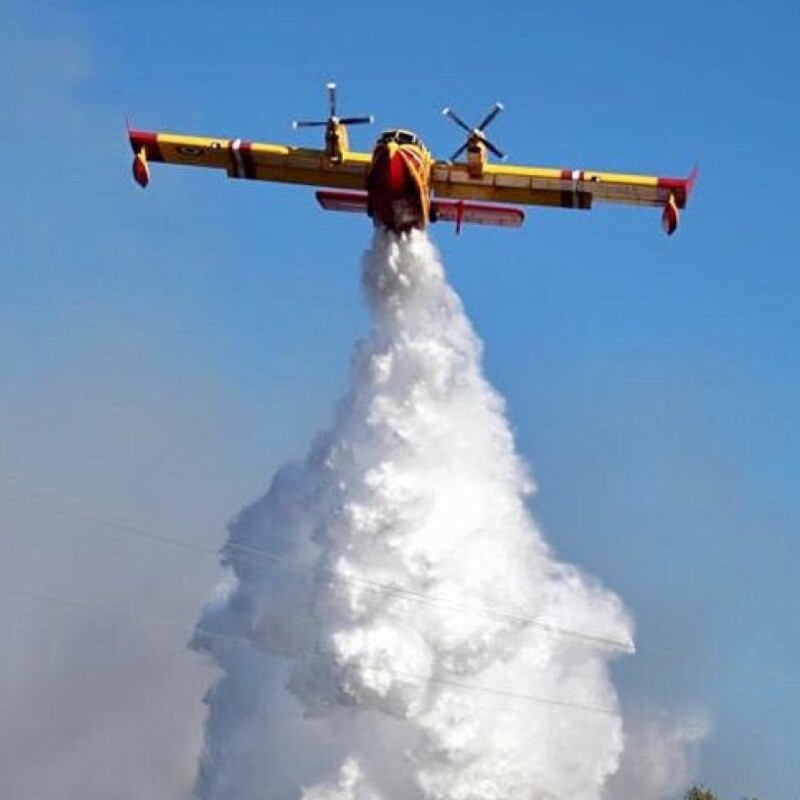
column 396, row 172
column 390, row 173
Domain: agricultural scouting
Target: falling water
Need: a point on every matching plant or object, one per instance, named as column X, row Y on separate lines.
column 393, row 625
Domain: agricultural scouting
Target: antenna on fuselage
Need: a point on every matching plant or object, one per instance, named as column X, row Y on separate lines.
column 332, row 118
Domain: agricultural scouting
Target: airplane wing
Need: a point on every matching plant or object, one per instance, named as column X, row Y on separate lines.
column 250, row 160
column 562, row 188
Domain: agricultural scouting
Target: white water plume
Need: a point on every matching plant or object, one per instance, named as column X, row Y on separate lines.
column 394, row 626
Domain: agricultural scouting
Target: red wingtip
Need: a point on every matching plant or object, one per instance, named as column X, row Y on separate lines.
column 691, row 180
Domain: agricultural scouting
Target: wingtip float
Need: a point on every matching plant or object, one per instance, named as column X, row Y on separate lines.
column 400, row 184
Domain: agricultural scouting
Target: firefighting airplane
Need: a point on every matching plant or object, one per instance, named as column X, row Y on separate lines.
column 401, row 186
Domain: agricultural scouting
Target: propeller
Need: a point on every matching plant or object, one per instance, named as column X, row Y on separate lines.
column 332, row 118
column 477, row 133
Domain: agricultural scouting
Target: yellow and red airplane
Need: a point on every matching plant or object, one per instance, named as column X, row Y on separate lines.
column 401, row 186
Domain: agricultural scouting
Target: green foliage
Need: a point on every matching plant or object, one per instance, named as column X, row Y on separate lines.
column 699, row 793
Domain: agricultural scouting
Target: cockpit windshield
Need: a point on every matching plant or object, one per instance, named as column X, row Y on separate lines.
column 400, row 137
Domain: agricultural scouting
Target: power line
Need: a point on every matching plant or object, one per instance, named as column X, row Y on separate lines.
column 147, row 622
column 76, row 508
column 83, row 511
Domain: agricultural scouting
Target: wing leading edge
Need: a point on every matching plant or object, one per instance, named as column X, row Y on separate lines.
column 248, row 160
column 563, row 188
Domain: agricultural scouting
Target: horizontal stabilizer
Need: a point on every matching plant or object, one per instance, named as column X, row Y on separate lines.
column 355, row 202
column 477, row 213
column 457, row 211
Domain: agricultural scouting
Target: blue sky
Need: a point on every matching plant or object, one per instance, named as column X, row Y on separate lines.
column 163, row 351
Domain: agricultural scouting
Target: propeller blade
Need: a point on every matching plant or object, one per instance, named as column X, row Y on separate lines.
column 331, row 87
column 487, row 120
column 476, row 135
column 357, row 120
column 496, row 150
column 458, row 152
column 448, row 112
column 304, row 123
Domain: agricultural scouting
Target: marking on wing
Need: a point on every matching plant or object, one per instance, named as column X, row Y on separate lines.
column 236, row 155
column 191, row 150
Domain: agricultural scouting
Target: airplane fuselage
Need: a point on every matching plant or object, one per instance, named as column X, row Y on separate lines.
column 398, row 182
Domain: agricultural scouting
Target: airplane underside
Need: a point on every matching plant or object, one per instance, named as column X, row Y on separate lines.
column 396, row 195
column 396, row 214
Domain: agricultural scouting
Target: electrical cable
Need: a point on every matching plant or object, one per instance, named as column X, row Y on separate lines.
column 81, row 605
column 81, row 510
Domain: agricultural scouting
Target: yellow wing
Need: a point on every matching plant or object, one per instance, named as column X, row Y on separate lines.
column 253, row 160
column 563, row 188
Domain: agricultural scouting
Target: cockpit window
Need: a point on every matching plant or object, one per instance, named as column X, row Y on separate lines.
column 399, row 136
